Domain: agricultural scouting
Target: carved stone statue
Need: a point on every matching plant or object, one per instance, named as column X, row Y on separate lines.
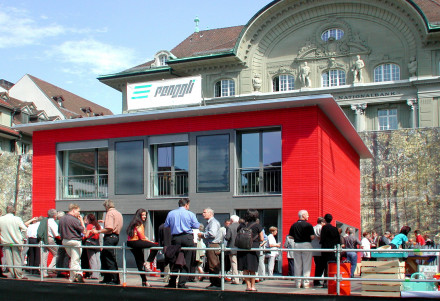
column 412, row 66
column 256, row 82
column 304, row 75
column 357, row 69
column 332, row 63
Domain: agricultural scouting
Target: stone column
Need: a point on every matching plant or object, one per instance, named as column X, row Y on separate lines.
column 414, row 105
column 359, row 109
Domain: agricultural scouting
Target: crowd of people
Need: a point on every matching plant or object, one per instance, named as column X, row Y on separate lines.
column 64, row 235
column 181, row 228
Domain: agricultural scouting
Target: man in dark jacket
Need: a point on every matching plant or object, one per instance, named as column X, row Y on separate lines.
column 231, row 234
column 329, row 239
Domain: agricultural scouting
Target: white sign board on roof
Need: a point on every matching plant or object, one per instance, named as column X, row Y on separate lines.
column 164, row 93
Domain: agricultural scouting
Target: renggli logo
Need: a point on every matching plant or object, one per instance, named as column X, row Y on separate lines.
column 168, row 90
column 175, row 90
column 141, row 91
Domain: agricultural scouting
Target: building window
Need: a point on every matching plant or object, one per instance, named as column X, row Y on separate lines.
column 387, row 119
column 129, row 167
column 84, row 174
column 224, row 88
column 259, row 162
column 25, row 148
column 386, row 72
column 24, row 118
column 213, row 163
column 332, row 34
column 163, row 60
column 284, row 82
column 170, row 170
column 333, row 78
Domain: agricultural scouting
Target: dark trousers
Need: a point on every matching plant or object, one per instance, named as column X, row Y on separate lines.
column 213, row 264
column 327, row 257
column 33, row 255
column 291, row 267
column 137, row 249
column 319, row 267
column 62, row 260
column 108, row 258
column 185, row 240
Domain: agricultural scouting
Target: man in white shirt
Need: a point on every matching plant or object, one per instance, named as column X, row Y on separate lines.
column 12, row 231
column 212, row 238
column 33, row 253
column 365, row 244
column 52, row 233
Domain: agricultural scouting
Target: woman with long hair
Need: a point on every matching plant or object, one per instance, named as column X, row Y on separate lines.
column 137, row 241
column 248, row 260
column 90, row 239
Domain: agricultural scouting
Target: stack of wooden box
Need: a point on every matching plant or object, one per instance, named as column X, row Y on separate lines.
column 389, row 269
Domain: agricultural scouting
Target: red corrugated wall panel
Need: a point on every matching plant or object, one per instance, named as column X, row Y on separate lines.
column 340, row 176
column 320, row 169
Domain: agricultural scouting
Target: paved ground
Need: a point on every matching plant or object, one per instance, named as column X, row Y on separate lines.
column 267, row 286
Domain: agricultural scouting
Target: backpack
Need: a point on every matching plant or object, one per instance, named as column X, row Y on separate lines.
column 244, row 238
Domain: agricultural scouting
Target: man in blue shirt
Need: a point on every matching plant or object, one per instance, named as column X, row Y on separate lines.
column 181, row 221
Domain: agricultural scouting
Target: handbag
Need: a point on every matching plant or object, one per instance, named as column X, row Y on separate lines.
column 92, row 242
column 160, row 256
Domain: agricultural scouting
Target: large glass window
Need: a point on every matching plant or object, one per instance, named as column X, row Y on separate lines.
column 129, row 167
column 259, row 155
column 283, row 82
column 213, row 163
column 386, row 72
column 333, row 78
column 225, row 88
column 170, row 174
column 84, row 173
column 387, row 119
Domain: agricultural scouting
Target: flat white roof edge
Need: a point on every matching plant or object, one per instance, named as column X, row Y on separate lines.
column 325, row 102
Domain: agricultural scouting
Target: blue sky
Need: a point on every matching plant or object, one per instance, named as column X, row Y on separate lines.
column 71, row 43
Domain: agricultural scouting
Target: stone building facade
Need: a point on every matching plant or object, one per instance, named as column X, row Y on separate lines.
column 379, row 59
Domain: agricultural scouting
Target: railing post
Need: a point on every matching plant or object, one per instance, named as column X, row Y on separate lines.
column 124, row 265
column 338, row 268
column 41, row 261
column 222, row 260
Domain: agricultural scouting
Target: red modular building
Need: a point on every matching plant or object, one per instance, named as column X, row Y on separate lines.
column 307, row 152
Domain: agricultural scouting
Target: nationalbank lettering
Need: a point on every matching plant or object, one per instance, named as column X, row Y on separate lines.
column 175, row 90
column 367, row 95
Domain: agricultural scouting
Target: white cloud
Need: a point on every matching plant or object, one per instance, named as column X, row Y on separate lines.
column 93, row 56
column 18, row 29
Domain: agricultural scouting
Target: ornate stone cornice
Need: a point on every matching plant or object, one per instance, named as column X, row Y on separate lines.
column 412, row 103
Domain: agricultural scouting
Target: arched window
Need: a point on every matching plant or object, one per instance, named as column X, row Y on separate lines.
column 225, row 87
column 386, row 72
column 332, row 33
column 333, row 78
column 283, row 82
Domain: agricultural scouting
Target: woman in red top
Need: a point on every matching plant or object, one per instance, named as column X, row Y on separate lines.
column 93, row 240
column 137, row 241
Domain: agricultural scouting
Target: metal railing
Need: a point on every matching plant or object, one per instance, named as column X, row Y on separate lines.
column 257, row 181
column 169, row 183
column 84, row 187
column 222, row 249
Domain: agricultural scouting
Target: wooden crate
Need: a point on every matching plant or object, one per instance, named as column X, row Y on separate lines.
column 390, row 269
